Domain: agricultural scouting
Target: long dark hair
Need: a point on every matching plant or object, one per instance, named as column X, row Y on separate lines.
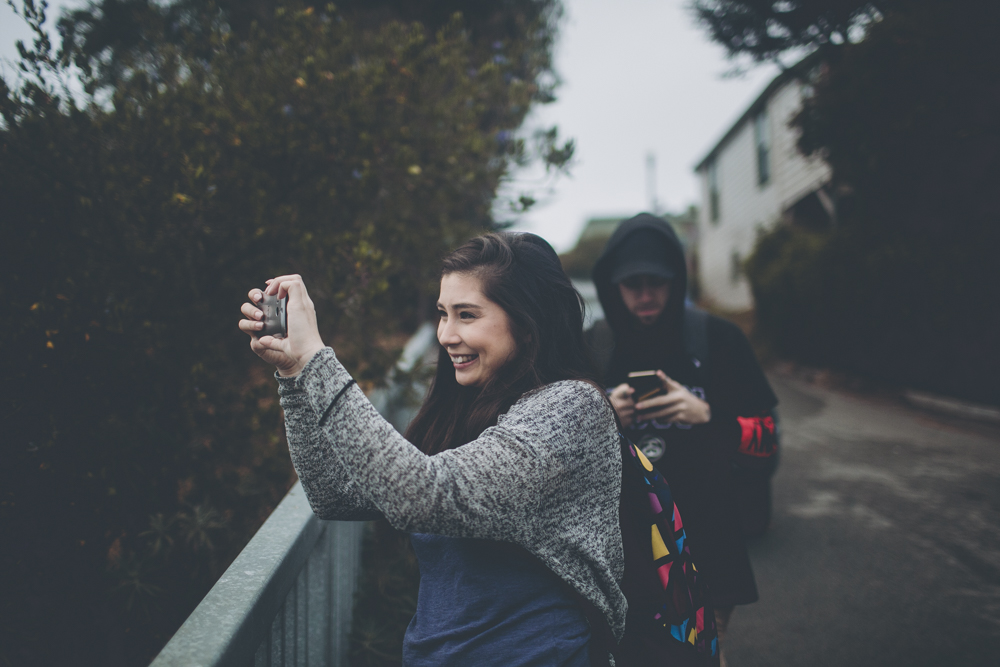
column 521, row 273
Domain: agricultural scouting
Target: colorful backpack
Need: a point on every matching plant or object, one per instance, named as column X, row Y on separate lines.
column 670, row 621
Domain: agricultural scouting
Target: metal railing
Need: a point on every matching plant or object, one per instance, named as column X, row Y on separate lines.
column 287, row 599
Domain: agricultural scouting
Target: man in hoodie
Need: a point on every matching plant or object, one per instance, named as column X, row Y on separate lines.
column 714, row 411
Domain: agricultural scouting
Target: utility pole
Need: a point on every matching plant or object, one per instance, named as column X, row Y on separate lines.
column 654, row 203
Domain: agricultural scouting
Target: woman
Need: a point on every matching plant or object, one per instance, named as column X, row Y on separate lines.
column 510, row 487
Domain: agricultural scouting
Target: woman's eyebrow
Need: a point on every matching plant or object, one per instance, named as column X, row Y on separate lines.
column 461, row 306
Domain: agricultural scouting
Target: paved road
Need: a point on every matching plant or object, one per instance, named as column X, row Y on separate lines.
column 885, row 545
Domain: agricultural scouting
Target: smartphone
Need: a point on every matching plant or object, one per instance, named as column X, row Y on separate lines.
column 275, row 316
column 647, row 384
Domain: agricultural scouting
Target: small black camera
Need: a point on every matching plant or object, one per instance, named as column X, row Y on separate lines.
column 275, row 316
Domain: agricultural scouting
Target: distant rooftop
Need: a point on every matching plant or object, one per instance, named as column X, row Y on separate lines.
column 600, row 227
column 603, row 228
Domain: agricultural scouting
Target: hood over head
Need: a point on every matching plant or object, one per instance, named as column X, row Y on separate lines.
column 644, row 244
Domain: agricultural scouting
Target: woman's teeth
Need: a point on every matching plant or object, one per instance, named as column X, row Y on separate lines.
column 462, row 359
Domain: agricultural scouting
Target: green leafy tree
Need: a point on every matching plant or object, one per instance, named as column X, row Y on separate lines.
column 142, row 441
column 903, row 287
column 765, row 30
column 110, row 38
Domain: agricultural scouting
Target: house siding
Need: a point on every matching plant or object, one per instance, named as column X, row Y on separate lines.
column 745, row 206
column 794, row 174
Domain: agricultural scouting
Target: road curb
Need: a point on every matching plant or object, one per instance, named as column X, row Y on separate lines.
column 844, row 381
column 952, row 406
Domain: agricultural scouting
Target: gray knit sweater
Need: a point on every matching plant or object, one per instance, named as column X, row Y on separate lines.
column 547, row 477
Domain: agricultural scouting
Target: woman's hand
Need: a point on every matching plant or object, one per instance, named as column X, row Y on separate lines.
column 292, row 353
column 678, row 405
column 621, row 401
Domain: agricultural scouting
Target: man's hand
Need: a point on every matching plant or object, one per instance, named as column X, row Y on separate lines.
column 621, row 401
column 677, row 406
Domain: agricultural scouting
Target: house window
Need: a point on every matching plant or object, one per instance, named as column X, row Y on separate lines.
column 762, row 138
column 713, row 192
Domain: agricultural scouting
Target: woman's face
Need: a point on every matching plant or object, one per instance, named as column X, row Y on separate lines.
column 475, row 331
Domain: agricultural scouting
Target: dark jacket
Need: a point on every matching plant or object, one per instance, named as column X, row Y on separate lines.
column 696, row 461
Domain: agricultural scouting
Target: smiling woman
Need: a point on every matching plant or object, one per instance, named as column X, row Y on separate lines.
column 526, row 328
column 508, row 479
column 474, row 330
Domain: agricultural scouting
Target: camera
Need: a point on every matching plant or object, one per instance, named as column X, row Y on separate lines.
column 275, row 316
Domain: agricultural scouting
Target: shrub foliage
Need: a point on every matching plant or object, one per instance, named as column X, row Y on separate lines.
column 904, row 286
column 215, row 147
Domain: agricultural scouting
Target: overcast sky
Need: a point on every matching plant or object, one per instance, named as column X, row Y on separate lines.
column 638, row 77
column 13, row 28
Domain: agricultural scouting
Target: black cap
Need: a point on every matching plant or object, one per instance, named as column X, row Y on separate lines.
column 643, row 252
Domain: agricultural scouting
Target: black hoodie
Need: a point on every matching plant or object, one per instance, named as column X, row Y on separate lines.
column 697, row 461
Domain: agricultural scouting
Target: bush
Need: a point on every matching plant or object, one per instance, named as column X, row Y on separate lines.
column 142, row 441
column 903, row 309
column 386, row 598
column 904, row 287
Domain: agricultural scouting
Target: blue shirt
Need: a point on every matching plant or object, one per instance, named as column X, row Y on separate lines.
column 491, row 603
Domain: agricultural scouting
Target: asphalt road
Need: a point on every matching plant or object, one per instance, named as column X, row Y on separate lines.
column 885, row 542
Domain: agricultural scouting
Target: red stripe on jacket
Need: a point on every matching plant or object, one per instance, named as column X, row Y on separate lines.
column 758, row 437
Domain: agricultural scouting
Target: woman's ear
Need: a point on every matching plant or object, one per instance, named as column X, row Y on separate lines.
column 526, row 340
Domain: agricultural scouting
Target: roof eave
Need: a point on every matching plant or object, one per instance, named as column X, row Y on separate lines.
column 796, row 71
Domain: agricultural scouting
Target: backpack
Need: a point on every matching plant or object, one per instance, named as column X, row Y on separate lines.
column 670, row 620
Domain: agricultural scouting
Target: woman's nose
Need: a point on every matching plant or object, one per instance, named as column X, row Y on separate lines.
column 447, row 335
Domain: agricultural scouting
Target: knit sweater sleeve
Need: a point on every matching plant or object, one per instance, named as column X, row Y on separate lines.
column 492, row 488
column 546, row 477
column 331, row 490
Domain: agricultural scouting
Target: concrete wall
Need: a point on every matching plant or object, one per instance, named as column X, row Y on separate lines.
column 745, row 206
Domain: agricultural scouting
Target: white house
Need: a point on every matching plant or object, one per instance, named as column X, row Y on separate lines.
column 755, row 178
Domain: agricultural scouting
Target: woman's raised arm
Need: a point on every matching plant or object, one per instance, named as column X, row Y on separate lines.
column 555, row 444
column 332, row 491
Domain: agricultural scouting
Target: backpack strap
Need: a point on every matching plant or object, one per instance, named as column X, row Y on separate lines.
column 600, row 341
column 684, row 610
column 696, row 340
column 673, row 623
